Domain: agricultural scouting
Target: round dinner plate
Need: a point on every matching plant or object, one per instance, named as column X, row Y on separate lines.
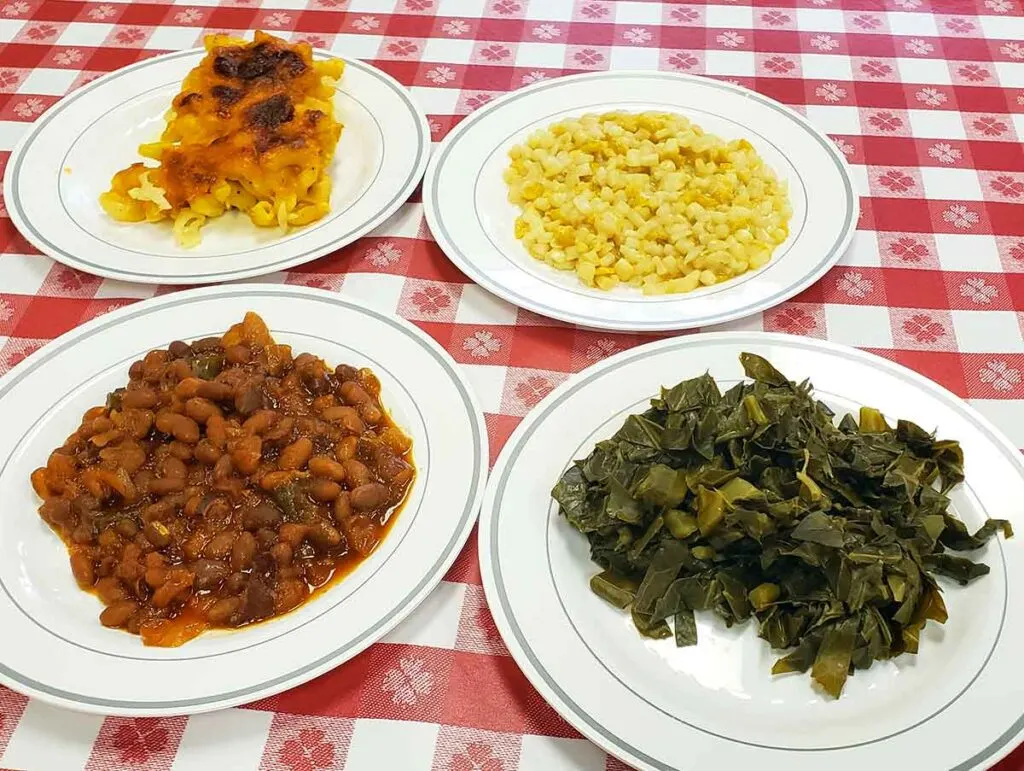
column 957, row 705
column 53, row 646
column 466, row 200
column 57, row 172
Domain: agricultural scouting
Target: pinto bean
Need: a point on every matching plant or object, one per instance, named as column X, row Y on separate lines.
column 369, row 496
column 296, row 455
column 200, row 409
column 357, row 473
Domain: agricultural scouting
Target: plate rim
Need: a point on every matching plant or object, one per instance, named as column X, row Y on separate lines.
column 480, row 277
column 413, row 599
column 524, row 655
column 32, row 234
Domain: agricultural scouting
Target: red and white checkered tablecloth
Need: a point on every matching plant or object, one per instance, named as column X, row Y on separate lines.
column 925, row 98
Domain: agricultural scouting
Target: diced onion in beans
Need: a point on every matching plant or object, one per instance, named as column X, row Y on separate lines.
column 647, row 200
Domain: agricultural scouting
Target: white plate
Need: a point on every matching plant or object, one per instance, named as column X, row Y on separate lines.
column 958, row 705
column 466, row 200
column 53, row 646
column 57, row 172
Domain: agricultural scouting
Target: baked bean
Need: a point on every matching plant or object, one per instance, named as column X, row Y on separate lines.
column 206, row 344
column 370, row 413
column 223, row 467
column 206, row 452
column 243, row 551
column 173, row 467
column 109, row 590
column 126, row 528
column 324, row 402
column 342, row 507
column 261, row 515
column 179, row 349
column 208, row 573
column 155, row 577
column 323, row 535
column 181, row 427
column 346, row 448
column 219, row 546
column 178, row 370
column 296, row 455
column 166, row 485
column 345, row 372
column 222, row 610
column 187, row 388
column 157, row 533
column 118, row 613
column 180, row 450
column 200, row 409
column 290, row 593
column 138, row 399
column 346, row 417
column 281, row 431
column 82, row 569
column 324, row 466
column 236, row 583
column 214, row 390
column 176, row 587
column 282, row 554
column 216, row 431
column 137, row 422
column 353, row 393
column 324, row 490
column 265, row 538
column 247, row 453
column 260, row 421
column 357, row 473
column 369, row 496
column 194, row 545
column 292, row 533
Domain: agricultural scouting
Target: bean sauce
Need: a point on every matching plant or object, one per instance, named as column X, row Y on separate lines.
column 228, row 482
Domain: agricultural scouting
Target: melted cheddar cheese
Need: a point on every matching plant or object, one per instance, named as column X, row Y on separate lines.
column 252, row 129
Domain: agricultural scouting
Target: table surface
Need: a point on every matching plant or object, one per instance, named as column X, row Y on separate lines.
column 926, row 99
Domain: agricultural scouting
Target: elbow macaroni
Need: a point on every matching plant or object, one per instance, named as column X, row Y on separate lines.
column 646, row 200
column 252, row 129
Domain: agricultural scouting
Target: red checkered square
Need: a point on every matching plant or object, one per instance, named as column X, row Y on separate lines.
column 470, row 749
column 143, row 743
column 972, row 73
column 491, row 54
column 885, row 123
column 129, row 37
column 477, row 631
column 277, row 21
column 525, row 387
column 26, row 108
column 17, row 349
column 400, row 49
column 797, row 318
column 429, row 300
column 466, row 568
column 862, row 22
column 957, row 26
column 418, row 7
column 593, row 11
column 68, row 282
column 300, row 742
column 12, row 308
column 686, row 15
column 38, row 33
column 908, row 250
column 926, row 330
column 691, row 62
column 993, row 376
column 889, row 182
column 977, row 291
column 874, row 69
column 505, row 9
column 11, row 78
column 406, row 682
column 587, row 57
column 849, row 286
column 12, row 705
column 998, row 186
column 930, row 97
column 989, row 127
column 1011, row 253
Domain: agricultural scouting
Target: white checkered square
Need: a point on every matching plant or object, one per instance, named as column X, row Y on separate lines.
column 835, row 119
column 634, row 58
column 378, row 290
column 397, row 744
column 173, row 38
column 448, row 50
column 916, row 24
column 85, row 34
column 110, row 288
column 981, row 331
column 550, row 10
column 551, row 754
column 729, row 62
column 435, row 101
column 820, row 20
column 435, row 622
column 932, row 72
column 356, row 46
column 866, row 326
column 24, row 273
column 729, row 16
column 9, row 29
column 540, row 55
column 51, row 738
column 488, row 383
column 633, row 12
column 10, row 132
column 470, row 9
column 952, row 184
column 826, row 67
column 1002, row 27
column 1010, row 74
column 863, row 251
column 968, row 253
column 938, row 124
column 478, row 306
column 232, row 738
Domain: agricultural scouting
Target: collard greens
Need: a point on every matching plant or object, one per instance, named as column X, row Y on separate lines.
column 757, row 503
